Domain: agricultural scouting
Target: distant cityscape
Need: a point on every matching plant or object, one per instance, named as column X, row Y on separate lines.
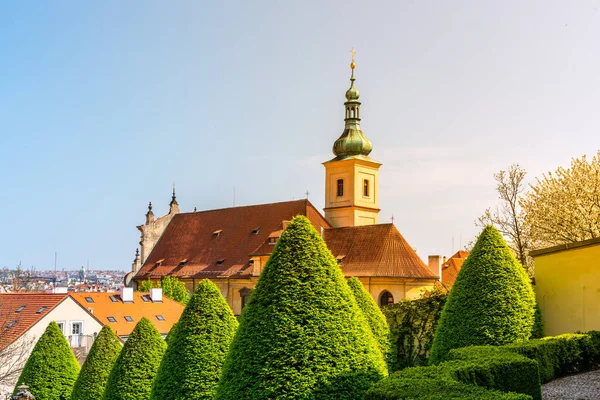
column 82, row 280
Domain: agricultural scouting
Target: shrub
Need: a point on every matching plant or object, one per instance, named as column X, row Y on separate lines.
column 51, row 369
column 491, row 302
column 412, row 324
column 375, row 318
column 191, row 366
column 94, row 373
column 301, row 335
column 131, row 376
column 537, row 332
column 146, row 285
column 171, row 286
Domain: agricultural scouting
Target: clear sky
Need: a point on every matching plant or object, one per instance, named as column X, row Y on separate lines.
column 103, row 105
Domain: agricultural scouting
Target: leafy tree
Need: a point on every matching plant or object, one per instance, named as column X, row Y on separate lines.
column 301, row 334
column 491, row 302
column 375, row 318
column 508, row 217
column 171, row 286
column 94, row 373
column 132, row 375
column 51, row 370
column 564, row 206
column 191, row 366
column 146, row 285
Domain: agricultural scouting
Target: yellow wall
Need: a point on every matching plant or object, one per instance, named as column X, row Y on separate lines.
column 568, row 289
column 353, row 208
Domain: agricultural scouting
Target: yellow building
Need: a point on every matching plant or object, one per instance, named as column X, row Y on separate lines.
column 567, row 286
column 230, row 246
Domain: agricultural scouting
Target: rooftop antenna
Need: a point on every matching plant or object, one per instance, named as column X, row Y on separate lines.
column 307, row 194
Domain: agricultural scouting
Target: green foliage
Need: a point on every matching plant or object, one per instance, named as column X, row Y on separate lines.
column 98, row 363
column 375, row 318
column 51, row 370
column 412, row 324
column 131, row 376
column 171, row 286
column 537, row 332
column 301, row 335
column 491, row 302
column 191, row 366
column 483, row 372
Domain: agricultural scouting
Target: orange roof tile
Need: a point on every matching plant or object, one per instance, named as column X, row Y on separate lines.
column 191, row 236
column 20, row 311
column 375, row 250
column 452, row 266
column 103, row 308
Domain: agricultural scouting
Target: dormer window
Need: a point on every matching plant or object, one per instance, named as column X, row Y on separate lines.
column 41, row 310
column 217, row 233
column 255, row 231
column 251, row 263
column 220, row 262
column 340, row 259
column 20, row 308
column 366, row 188
column 273, row 240
column 340, row 187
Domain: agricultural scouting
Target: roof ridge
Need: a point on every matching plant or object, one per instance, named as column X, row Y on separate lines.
column 246, row 206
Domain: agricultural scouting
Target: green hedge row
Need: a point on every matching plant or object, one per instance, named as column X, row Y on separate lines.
column 512, row 371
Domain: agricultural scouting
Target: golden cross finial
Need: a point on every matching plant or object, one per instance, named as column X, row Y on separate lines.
column 352, row 65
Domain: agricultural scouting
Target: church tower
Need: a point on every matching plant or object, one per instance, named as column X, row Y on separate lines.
column 351, row 178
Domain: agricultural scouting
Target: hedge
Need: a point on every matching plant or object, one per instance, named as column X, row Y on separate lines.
column 94, row 373
column 197, row 347
column 301, row 334
column 132, row 375
column 482, row 372
column 51, row 369
column 375, row 318
column 491, row 302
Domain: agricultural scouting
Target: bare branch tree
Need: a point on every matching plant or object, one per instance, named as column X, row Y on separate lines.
column 508, row 217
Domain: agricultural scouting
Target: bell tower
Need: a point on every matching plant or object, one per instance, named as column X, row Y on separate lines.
column 352, row 177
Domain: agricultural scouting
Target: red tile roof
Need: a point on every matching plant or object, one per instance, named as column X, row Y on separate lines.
column 14, row 323
column 192, row 237
column 452, row 266
column 103, row 307
column 375, row 250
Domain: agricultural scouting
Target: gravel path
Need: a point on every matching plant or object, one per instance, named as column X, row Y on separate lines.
column 575, row 387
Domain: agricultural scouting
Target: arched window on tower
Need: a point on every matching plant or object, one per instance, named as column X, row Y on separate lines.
column 366, row 188
column 340, row 187
column 385, row 298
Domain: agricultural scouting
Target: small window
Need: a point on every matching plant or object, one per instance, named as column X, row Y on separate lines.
column 251, row 262
column 11, row 324
column 366, row 188
column 111, row 319
column 128, row 318
column 273, row 240
column 145, row 298
column 220, row 262
column 255, row 231
column 217, row 232
column 41, row 310
column 340, row 187
column 61, row 326
column 89, row 299
column 20, row 308
column 160, row 318
column 386, row 298
column 113, row 299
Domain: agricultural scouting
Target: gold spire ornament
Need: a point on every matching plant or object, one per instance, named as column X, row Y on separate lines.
column 352, row 65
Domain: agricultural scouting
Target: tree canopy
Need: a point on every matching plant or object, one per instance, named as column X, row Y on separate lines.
column 301, row 334
column 171, row 286
column 94, row 373
column 132, row 374
column 491, row 302
column 51, row 370
column 198, row 344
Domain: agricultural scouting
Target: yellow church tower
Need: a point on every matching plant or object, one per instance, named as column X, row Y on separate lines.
column 351, row 178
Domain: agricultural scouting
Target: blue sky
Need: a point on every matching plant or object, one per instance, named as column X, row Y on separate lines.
column 103, row 105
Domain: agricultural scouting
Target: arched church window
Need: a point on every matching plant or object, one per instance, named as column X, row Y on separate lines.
column 340, row 187
column 245, row 295
column 386, row 298
column 366, row 188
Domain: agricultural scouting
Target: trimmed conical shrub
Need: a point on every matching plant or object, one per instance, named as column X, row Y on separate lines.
column 51, row 369
column 301, row 335
column 132, row 375
column 491, row 302
column 374, row 316
column 191, row 366
column 94, row 373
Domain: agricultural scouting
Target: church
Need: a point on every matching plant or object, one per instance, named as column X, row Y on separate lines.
column 230, row 246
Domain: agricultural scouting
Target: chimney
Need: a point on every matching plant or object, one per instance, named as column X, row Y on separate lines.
column 127, row 294
column 435, row 265
column 156, row 295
